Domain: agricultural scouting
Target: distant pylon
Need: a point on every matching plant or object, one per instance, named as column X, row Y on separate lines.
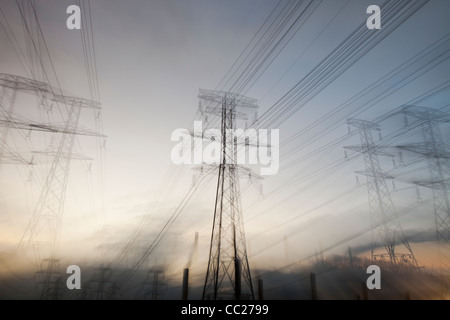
column 435, row 150
column 228, row 274
column 387, row 233
column 51, row 280
column 151, row 288
column 98, row 288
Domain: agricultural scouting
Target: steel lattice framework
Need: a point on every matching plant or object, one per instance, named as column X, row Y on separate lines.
column 47, row 215
column 387, row 233
column 228, row 274
column 9, row 85
column 435, row 150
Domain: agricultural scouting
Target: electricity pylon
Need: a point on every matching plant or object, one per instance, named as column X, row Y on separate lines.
column 153, row 286
column 155, row 292
column 387, row 233
column 435, row 150
column 228, row 274
column 9, row 85
column 99, row 287
column 47, row 215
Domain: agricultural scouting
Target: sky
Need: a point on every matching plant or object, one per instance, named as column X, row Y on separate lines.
column 152, row 57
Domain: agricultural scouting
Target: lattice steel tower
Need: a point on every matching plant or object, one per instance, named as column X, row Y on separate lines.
column 228, row 274
column 45, row 222
column 387, row 233
column 435, row 150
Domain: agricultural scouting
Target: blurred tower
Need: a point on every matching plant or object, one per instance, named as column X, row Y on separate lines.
column 387, row 234
column 99, row 287
column 46, row 218
column 435, row 151
column 9, row 85
column 228, row 274
column 154, row 284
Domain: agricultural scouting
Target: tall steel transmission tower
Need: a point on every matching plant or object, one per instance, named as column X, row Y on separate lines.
column 47, row 215
column 435, row 150
column 228, row 274
column 387, row 233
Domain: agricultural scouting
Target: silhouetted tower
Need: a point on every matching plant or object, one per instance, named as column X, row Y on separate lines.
column 156, row 294
column 435, row 150
column 98, row 287
column 387, row 234
column 228, row 274
column 51, row 279
column 153, row 285
column 46, row 218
